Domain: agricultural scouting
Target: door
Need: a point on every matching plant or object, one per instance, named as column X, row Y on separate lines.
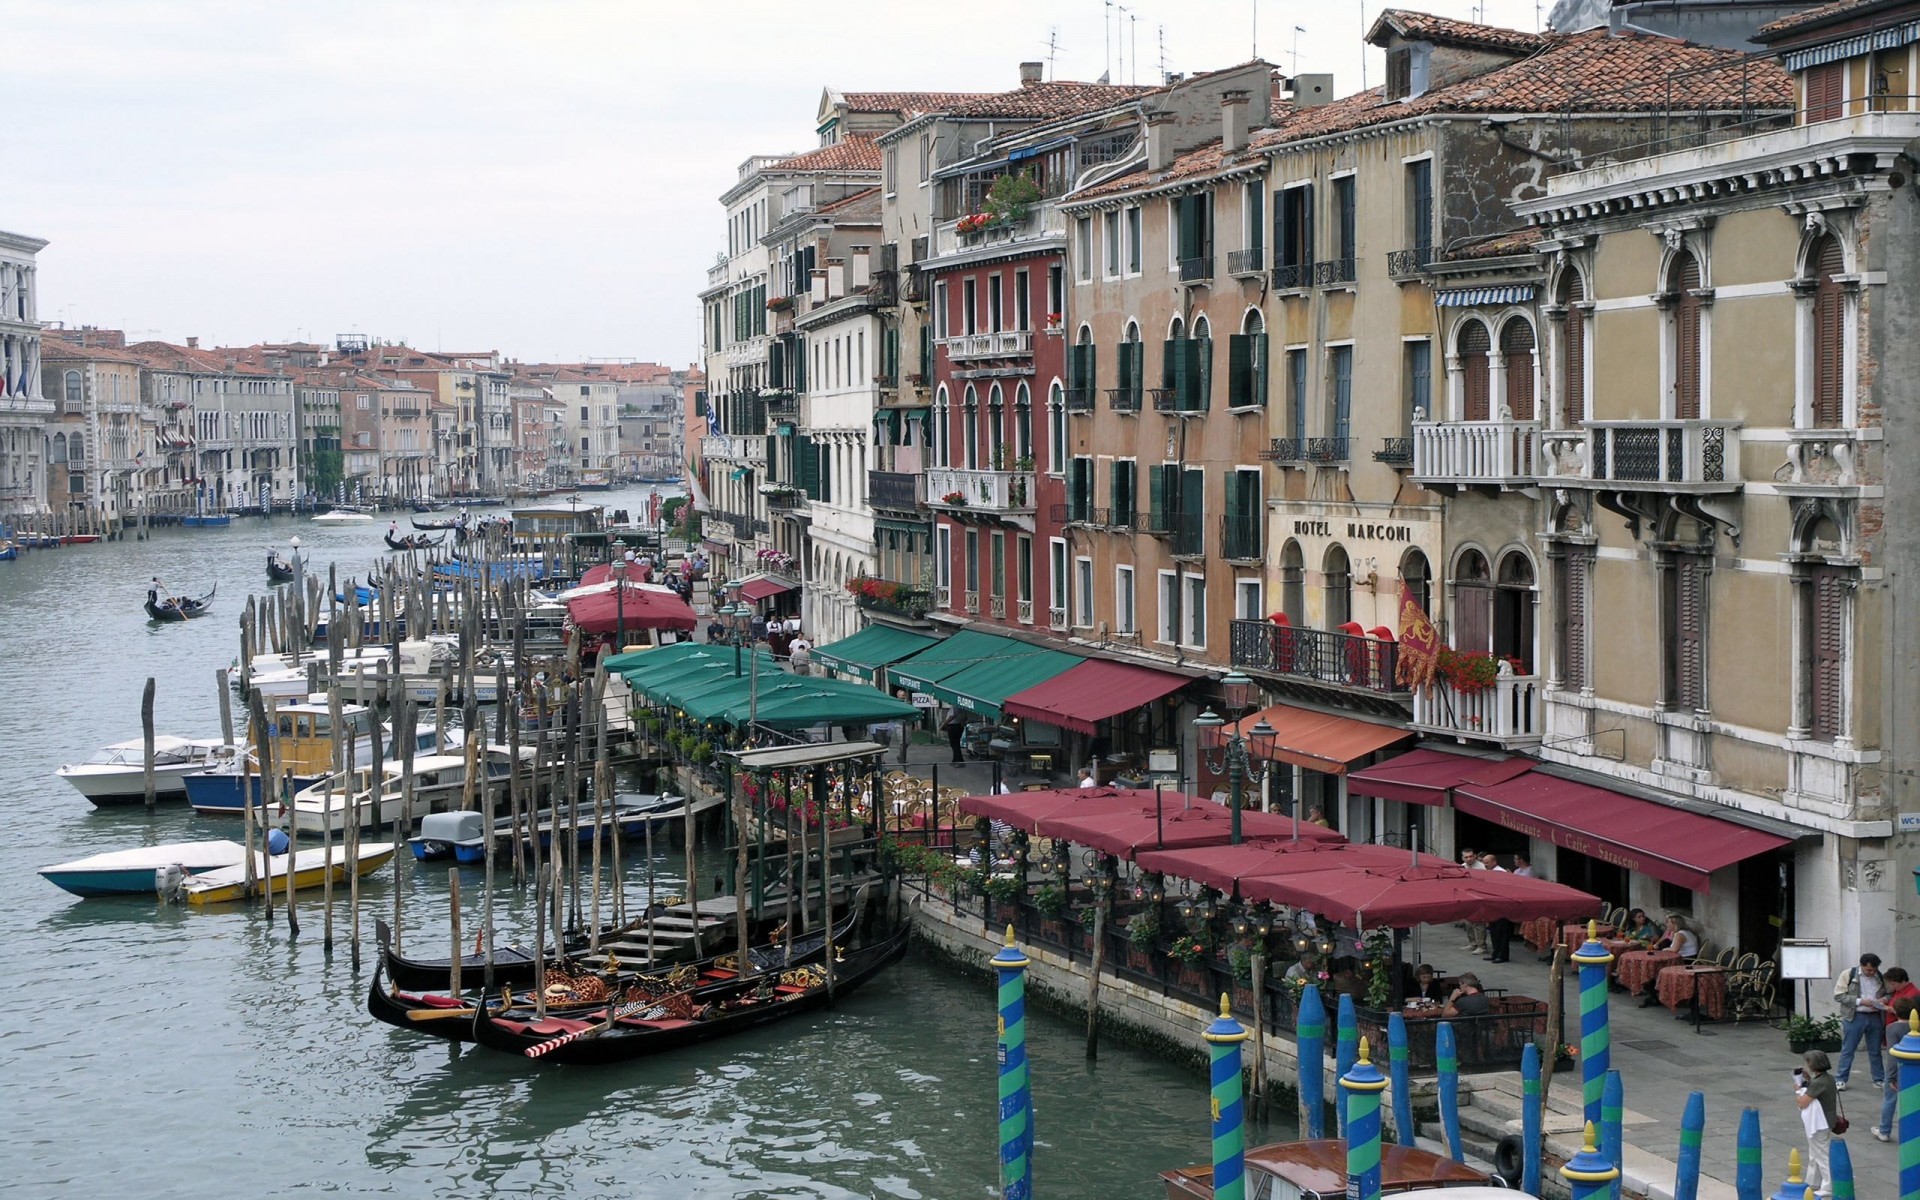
column 1766, row 904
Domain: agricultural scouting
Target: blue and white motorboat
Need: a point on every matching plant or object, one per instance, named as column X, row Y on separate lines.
column 117, row 774
column 303, row 744
column 133, row 872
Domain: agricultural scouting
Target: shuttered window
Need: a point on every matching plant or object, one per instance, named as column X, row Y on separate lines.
column 1080, row 489
column 1826, row 653
column 1573, row 366
column 1825, row 86
column 1687, row 309
column 1686, row 632
column 1576, row 577
column 1121, row 493
column 1516, row 351
column 1475, row 343
column 1829, row 335
column 1246, row 370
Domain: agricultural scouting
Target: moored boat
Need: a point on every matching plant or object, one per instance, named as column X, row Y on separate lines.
column 419, row 541
column 116, row 774
column 8, row 551
column 132, row 872
column 1316, row 1169
column 309, row 868
column 304, row 744
column 342, row 514
column 178, row 608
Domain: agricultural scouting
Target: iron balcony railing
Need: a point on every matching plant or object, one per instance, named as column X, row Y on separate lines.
column 895, row 490
column 1406, row 264
column 1241, row 537
column 1285, row 450
column 1292, row 276
column 1196, row 270
column 1187, row 531
column 1323, row 656
column 1246, row 262
column 1080, row 399
column 1327, row 449
column 1694, row 455
column 1124, row 399
column 1333, row 270
column 1395, row 452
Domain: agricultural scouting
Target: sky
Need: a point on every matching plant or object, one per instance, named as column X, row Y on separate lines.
column 538, row 177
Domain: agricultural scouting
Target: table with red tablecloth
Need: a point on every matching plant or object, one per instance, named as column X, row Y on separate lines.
column 1679, row 986
column 1636, row 969
column 1543, row 932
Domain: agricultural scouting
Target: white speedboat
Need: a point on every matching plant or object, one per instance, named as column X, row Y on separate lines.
column 439, row 784
column 133, row 872
column 117, row 773
column 342, row 516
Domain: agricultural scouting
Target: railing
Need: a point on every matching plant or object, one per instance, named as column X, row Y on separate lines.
column 1293, row 276
column 973, row 602
column 1241, row 537
column 715, row 527
column 785, row 500
column 1406, row 264
column 904, row 602
column 1024, row 612
column 997, row 607
column 1186, row 530
column 1196, row 270
column 1333, row 270
column 1080, row 399
column 1008, row 343
column 732, row 447
column 897, row 490
column 1040, row 222
column 1395, row 452
column 985, row 491
column 1327, row 449
column 781, row 403
column 1321, row 655
column 1506, row 712
column 942, row 596
column 1126, row 399
column 1285, row 450
column 1477, row 452
column 1247, row 262
column 1171, row 400
column 1056, row 618
column 1651, row 455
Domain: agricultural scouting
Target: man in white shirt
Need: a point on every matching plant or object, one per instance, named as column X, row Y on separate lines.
column 1499, row 930
column 1086, row 777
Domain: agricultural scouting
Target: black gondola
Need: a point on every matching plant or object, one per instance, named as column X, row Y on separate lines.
column 617, row 1033
column 450, row 1017
column 419, row 541
column 279, row 570
column 436, row 526
column 178, row 608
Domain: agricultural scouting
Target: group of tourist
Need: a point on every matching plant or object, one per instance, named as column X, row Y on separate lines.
column 1492, row 940
column 1875, row 1005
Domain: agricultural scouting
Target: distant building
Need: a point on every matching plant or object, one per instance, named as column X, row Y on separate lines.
column 24, row 409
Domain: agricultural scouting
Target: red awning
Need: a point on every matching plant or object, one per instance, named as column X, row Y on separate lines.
column 1223, row 867
column 1426, row 776
column 761, row 588
column 1431, row 892
column 632, row 606
column 1178, row 821
column 1671, row 844
column 1029, row 811
column 1322, row 741
column 1093, row 691
column 603, row 573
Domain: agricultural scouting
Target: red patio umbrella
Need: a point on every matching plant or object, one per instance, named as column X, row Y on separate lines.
column 1179, row 821
column 1224, row 867
column 1407, row 896
column 1028, row 810
column 634, row 606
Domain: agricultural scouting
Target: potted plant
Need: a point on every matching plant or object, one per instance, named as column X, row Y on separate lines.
column 1010, row 197
column 1051, row 900
column 955, row 499
column 1005, row 892
column 1806, row 1033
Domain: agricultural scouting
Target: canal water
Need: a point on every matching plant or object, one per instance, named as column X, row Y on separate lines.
column 161, row 1051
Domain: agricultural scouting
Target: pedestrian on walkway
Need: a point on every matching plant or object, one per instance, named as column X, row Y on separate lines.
column 1500, row 929
column 1476, row 930
column 1861, row 994
column 956, row 727
column 1899, row 1008
column 1818, row 1098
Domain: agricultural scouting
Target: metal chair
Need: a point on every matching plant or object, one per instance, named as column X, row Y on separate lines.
column 1726, row 958
column 1616, row 917
column 1706, row 952
column 1750, row 993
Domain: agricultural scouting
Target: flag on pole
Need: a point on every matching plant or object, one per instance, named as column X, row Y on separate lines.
column 1419, row 644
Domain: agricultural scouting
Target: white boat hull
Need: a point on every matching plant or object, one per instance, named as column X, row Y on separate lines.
column 131, row 872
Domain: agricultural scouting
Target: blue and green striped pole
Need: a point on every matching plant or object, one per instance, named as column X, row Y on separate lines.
column 1530, row 1114
column 1588, row 1173
column 1446, row 1053
column 1795, row 1188
column 1907, row 1108
column 1229, row 1138
column 1310, row 1033
column 1840, row 1166
column 1346, row 1052
column 1746, row 1156
column 1362, row 1084
column 1613, row 1104
column 1693, row 1125
column 1401, row 1071
column 1596, row 1040
column 1016, row 1099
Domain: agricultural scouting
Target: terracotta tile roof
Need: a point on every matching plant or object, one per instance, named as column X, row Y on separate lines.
column 1446, row 31
column 53, row 349
column 1498, row 245
column 169, row 357
column 1820, row 14
column 1049, row 101
column 855, row 152
column 861, row 205
column 905, row 103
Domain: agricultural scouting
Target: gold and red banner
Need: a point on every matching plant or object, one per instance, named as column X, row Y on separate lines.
column 1419, row 644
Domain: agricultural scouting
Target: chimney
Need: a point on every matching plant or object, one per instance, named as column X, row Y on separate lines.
column 1159, row 139
column 1233, row 122
column 1311, row 91
column 193, row 343
column 1030, row 74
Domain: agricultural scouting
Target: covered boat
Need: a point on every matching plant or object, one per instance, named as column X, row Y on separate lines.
column 309, row 868
column 116, row 774
column 1317, row 1170
column 133, row 872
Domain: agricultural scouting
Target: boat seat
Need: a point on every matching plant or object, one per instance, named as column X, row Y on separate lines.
column 718, row 973
column 658, row 1023
column 555, row 1025
column 788, row 989
column 431, row 1001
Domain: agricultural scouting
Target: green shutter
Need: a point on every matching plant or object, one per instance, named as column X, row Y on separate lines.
column 1256, row 220
column 926, row 353
column 1239, row 370
column 806, row 466
column 1123, row 368
column 1196, row 382
column 1170, row 362
column 1232, row 509
column 1157, row 496
column 1189, row 227
column 1259, row 370
column 1138, row 357
column 1114, row 486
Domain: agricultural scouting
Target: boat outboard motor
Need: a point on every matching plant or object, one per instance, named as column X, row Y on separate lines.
column 277, row 841
column 169, row 882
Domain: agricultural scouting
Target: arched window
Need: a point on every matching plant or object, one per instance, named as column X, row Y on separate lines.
column 1513, row 611
column 1573, row 348
column 1476, row 381
column 997, row 450
column 940, row 435
column 971, row 432
column 1826, row 260
column 1516, row 354
column 57, row 449
column 1203, row 363
column 1023, row 423
column 75, row 397
column 1472, row 603
column 1683, row 280
column 1293, row 583
column 1056, row 430
column 1339, row 587
column 1130, row 369
column 1416, row 577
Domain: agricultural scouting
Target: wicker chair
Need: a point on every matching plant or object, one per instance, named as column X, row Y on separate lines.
column 1726, row 958
column 1750, row 991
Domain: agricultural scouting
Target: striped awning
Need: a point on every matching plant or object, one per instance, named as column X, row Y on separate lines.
column 1517, row 293
column 1879, row 39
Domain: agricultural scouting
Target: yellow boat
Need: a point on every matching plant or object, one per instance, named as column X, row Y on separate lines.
column 310, row 869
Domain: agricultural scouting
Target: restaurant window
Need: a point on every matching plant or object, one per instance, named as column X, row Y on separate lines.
column 1674, row 898
column 1476, row 385
column 1293, row 583
column 1686, row 316
column 1683, row 644
column 1829, row 331
column 1572, row 297
column 1338, row 574
column 1516, row 365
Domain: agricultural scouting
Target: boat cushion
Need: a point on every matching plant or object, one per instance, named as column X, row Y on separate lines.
column 554, row 1025
column 658, row 1023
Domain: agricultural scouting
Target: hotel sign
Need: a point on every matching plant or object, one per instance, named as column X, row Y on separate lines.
column 1359, row 531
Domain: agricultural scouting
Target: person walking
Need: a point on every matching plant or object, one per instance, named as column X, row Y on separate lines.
column 1900, row 1006
column 956, row 727
column 1817, row 1094
column 1500, row 929
column 1861, row 993
column 1476, row 930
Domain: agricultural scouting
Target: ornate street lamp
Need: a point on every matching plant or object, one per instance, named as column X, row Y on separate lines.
column 1226, row 751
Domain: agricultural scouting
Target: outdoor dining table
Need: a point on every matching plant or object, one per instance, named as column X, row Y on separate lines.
column 1544, row 932
column 1636, row 969
column 1702, row 987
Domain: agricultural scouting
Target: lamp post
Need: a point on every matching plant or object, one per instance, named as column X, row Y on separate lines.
column 1232, row 753
column 619, row 574
column 739, row 619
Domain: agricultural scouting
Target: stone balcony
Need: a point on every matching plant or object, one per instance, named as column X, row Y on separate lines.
column 1506, row 714
column 1008, row 343
column 1647, row 456
column 1462, row 454
column 747, row 449
column 1000, row 493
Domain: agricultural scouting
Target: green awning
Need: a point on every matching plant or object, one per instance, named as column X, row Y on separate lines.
column 954, row 654
column 648, row 659
column 684, row 689
column 923, row 528
column 986, row 686
column 872, row 648
column 795, row 702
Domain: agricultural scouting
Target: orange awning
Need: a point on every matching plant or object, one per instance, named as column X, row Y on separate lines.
column 1323, row 741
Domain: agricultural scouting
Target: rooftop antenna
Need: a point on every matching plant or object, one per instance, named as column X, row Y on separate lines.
column 1255, row 6
column 1297, row 31
column 1133, row 54
column 1163, row 53
column 1106, row 37
column 1053, row 47
column 1363, row 41
column 1121, row 13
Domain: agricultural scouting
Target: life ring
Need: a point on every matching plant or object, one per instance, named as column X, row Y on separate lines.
column 1509, row 1157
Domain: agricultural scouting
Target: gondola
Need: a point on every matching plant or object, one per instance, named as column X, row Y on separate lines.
column 180, row 608
column 279, row 570
column 439, row 1015
column 624, row 1031
column 415, row 542
column 512, row 965
column 436, row 526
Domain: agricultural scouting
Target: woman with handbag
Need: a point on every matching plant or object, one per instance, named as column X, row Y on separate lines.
column 1822, row 1117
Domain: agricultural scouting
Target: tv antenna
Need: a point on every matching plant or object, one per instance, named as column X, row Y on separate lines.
column 1297, row 31
column 1053, row 47
column 1163, row 53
